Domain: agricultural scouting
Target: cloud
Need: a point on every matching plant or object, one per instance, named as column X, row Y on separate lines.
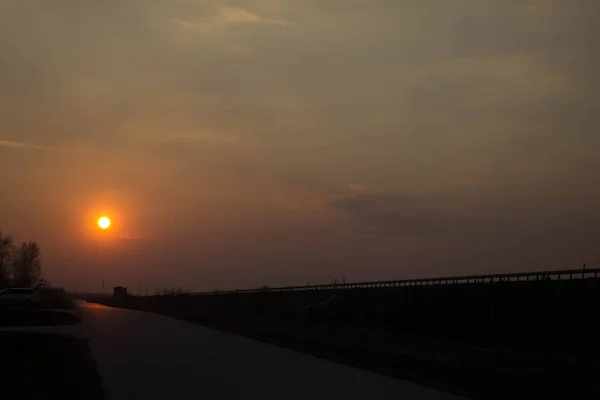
column 356, row 188
column 240, row 15
column 156, row 131
column 371, row 218
column 19, row 145
column 129, row 236
column 223, row 18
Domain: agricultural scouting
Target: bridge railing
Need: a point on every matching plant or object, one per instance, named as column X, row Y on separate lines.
column 567, row 274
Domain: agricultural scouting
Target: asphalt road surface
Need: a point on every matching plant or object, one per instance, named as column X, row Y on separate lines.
column 147, row 356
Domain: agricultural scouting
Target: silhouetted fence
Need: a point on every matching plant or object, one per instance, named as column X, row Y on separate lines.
column 545, row 309
column 567, row 274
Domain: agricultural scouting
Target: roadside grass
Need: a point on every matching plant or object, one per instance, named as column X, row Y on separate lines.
column 448, row 365
column 23, row 317
column 477, row 370
column 42, row 366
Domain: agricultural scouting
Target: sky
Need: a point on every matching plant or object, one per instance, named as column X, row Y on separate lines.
column 237, row 144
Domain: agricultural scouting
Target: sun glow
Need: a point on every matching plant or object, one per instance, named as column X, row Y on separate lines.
column 104, row 222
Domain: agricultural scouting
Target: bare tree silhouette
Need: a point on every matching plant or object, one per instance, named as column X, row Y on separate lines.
column 26, row 266
column 6, row 250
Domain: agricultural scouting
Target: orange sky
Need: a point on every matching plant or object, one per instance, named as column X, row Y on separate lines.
column 245, row 143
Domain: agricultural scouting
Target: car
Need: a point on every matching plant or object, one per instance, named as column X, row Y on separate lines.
column 19, row 297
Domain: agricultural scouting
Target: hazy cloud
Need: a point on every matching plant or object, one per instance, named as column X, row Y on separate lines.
column 356, row 188
column 238, row 15
column 18, row 145
column 372, row 218
column 129, row 236
column 228, row 14
column 214, row 21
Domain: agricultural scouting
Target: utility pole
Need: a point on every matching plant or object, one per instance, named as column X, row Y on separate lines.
column 146, row 290
column 140, row 290
column 102, row 285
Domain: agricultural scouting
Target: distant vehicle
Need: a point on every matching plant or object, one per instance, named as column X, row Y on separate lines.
column 19, row 297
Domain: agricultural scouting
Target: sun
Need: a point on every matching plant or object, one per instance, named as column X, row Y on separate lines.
column 104, row 222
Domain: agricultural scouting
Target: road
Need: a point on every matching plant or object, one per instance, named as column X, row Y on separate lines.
column 147, row 356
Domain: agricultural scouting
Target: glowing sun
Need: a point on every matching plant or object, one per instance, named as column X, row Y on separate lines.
column 104, row 222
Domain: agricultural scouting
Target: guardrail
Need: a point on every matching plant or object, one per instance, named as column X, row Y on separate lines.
column 567, row 274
